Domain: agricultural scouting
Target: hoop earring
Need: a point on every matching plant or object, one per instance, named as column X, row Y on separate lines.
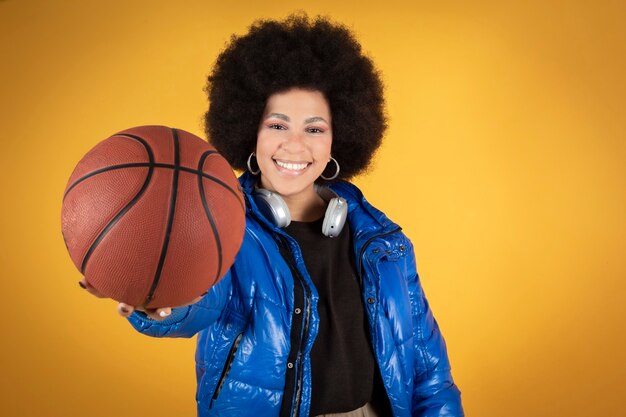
column 336, row 173
column 250, row 168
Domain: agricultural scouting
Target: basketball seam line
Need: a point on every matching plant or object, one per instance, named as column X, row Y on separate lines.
column 157, row 165
column 129, row 165
column 170, row 220
column 122, row 212
column 205, row 204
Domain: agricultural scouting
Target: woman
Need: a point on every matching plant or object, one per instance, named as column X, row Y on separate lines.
column 322, row 311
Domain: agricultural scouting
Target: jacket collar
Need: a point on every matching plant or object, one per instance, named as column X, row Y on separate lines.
column 365, row 220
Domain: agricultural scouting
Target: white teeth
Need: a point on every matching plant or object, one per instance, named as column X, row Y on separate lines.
column 292, row 167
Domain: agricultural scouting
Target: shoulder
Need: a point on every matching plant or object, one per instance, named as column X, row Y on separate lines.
column 361, row 213
column 371, row 228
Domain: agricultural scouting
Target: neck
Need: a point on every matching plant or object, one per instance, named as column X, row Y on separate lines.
column 305, row 208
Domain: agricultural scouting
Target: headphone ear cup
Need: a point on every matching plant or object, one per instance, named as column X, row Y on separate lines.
column 335, row 217
column 273, row 207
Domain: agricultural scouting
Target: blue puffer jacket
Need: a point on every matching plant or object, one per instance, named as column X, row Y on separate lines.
column 257, row 325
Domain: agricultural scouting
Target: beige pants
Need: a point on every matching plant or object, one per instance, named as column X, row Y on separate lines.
column 366, row 411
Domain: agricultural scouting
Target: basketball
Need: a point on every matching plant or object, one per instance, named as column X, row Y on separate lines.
column 153, row 216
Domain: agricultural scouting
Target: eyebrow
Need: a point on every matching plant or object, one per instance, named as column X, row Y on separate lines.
column 287, row 119
column 279, row 116
column 315, row 119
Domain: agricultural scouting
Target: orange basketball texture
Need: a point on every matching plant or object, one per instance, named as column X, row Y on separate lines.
column 153, row 216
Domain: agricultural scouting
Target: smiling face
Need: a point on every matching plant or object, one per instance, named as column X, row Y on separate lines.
column 293, row 143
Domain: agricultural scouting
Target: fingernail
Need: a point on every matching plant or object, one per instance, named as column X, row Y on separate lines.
column 82, row 285
column 164, row 313
column 124, row 309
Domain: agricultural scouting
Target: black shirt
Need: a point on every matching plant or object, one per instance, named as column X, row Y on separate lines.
column 342, row 362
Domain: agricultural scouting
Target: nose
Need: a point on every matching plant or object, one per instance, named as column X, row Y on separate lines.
column 294, row 142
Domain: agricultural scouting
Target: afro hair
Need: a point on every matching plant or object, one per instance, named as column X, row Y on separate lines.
column 275, row 56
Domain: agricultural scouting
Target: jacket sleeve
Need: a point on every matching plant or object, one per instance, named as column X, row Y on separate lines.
column 189, row 320
column 434, row 392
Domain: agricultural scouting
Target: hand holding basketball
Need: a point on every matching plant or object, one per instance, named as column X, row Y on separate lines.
column 126, row 310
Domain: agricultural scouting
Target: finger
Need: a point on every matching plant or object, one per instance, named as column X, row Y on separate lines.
column 157, row 313
column 125, row 310
column 163, row 313
column 91, row 290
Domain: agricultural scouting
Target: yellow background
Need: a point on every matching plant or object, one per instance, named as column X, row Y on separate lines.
column 505, row 163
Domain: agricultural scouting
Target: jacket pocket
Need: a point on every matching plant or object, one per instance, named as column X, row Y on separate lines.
column 227, row 365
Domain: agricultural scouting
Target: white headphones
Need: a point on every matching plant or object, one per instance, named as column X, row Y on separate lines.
column 275, row 209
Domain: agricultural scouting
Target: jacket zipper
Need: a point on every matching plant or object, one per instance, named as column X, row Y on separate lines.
column 229, row 363
column 305, row 332
column 295, row 409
